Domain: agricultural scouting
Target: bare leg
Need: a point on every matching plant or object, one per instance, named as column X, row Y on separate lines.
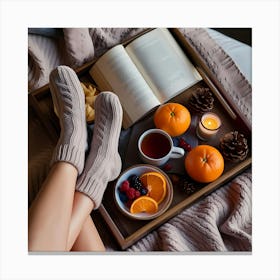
column 88, row 239
column 59, row 215
column 50, row 213
column 82, row 207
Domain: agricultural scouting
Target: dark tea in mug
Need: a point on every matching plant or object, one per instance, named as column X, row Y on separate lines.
column 155, row 145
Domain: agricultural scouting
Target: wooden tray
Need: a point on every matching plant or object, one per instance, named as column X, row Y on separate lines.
column 127, row 231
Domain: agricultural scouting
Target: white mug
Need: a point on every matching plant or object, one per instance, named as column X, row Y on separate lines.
column 156, row 147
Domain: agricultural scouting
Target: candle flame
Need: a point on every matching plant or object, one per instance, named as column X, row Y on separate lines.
column 210, row 123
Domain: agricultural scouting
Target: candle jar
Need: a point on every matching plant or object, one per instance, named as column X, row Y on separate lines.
column 208, row 126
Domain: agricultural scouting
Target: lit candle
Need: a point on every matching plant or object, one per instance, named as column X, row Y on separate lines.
column 208, row 126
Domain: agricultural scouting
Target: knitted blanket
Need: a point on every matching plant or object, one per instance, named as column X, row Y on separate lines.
column 220, row 222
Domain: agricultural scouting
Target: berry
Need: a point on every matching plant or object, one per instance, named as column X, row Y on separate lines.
column 123, row 197
column 135, row 182
column 189, row 147
column 167, row 167
column 175, row 141
column 130, row 193
column 132, row 179
column 137, row 194
column 143, row 191
column 124, row 186
column 137, row 186
column 183, row 144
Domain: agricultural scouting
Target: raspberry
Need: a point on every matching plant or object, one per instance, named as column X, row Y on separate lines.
column 189, row 147
column 167, row 167
column 183, row 144
column 124, row 186
column 137, row 194
column 130, row 193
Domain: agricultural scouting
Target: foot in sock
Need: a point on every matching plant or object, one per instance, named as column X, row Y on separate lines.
column 69, row 102
column 103, row 163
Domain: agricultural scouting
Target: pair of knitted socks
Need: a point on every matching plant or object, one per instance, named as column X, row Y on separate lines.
column 103, row 162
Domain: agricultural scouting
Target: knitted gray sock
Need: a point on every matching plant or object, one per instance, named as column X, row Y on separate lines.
column 69, row 101
column 103, row 163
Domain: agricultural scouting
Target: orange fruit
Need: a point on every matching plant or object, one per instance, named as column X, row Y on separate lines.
column 144, row 204
column 204, row 163
column 156, row 185
column 173, row 118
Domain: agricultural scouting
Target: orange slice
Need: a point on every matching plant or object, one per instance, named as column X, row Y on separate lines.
column 144, row 204
column 156, row 185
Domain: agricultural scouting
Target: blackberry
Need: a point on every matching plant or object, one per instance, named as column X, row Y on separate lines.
column 135, row 182
column 123, row 197
column 132, row 179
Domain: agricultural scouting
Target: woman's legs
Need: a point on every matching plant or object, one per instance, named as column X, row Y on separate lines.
column 102, row 165
column 88, row 238
column 50, row 213
column 82, row 207
column 55, row 203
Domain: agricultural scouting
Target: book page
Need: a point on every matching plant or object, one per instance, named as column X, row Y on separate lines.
column 116, row 72
column 163, row 63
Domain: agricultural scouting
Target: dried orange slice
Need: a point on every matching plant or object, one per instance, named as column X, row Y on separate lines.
column 156, row 185
column 144, row 204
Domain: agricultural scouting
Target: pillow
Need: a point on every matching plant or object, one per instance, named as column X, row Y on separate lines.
column 78, row 45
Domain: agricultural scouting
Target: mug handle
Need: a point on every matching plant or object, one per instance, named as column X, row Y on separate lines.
column 177, row 152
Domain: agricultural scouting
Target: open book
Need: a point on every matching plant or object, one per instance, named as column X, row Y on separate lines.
column 149, row 71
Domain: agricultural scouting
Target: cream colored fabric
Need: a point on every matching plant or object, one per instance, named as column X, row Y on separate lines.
column 224, row 68
column 73, row 47
column 69, row 100
column 78, row 46
column 44, row 54
column 103, row 164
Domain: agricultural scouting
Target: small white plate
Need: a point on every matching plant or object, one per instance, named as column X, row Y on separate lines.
column 139, row 170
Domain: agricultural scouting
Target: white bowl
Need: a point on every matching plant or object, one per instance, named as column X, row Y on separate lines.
column 139, row 170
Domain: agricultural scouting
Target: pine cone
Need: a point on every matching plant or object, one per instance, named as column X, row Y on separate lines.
column 201, row 101
column 234, row 146
column 188, row 186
